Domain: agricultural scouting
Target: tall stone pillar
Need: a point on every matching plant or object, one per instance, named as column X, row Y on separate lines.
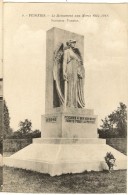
column 59, row 121
column 55, row 36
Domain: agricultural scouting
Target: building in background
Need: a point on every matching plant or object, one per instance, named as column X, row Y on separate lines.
column 1, row 107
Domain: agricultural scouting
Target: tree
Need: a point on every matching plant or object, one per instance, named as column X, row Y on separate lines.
column 25, row 131
column 36, row 134
column 25, row 127
column 6, row 121
column 18, row 135
column 115, row 124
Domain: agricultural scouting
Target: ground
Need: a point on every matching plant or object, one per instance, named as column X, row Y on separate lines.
column 18, row 180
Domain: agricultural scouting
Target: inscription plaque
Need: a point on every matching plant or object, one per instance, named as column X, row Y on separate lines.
column 51, row 119
column 79, row 119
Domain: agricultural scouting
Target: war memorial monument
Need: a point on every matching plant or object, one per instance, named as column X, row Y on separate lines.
column 69, row 140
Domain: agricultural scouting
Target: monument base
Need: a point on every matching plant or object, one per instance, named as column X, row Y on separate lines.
column 70, row 123
column 61, row 156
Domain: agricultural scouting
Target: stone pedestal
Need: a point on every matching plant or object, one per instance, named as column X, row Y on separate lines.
column 61, row 156
column 75, row 123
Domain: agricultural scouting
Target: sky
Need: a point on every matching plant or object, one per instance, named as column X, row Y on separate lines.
column 105, row 56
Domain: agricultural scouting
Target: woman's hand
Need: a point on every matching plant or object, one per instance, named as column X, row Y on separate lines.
column 65, row 77
column 80, row 76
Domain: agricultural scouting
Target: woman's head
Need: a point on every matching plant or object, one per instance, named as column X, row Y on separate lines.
column 71, row 43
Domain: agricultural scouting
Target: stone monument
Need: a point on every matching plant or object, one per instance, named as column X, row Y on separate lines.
column 65, row 113
column 69, row 141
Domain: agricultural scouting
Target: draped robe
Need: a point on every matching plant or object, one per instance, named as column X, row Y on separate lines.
column 73, row 70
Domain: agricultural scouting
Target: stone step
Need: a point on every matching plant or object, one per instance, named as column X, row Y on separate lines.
column 57, row 159
column 69, row 140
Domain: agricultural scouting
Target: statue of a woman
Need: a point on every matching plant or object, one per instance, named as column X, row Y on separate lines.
column 69, row 60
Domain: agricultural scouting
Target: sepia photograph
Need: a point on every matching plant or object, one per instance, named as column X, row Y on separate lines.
column 63, row 98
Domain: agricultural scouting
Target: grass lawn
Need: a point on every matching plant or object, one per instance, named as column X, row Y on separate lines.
column 18, row 180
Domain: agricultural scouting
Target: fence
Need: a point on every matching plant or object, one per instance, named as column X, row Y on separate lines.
column 13, row 145
column 118, row 143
